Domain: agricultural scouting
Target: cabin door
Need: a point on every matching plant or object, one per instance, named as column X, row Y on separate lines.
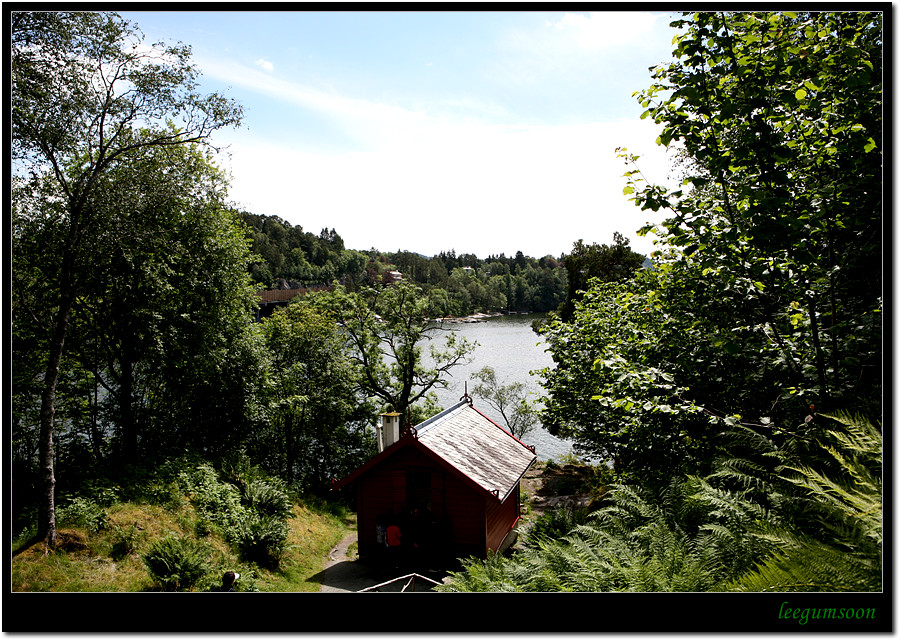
column 425, row 491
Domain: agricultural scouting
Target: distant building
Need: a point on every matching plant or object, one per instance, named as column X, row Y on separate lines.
column 391, row 277
column 450, row 483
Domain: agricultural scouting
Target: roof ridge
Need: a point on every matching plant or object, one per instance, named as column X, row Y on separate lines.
column 439, row 416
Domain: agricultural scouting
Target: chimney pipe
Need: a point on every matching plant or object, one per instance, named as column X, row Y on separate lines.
column 389, row 430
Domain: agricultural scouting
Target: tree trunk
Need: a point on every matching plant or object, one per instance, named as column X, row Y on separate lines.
column 47, row 510
column 96, row 437
column 47, row 513
column 126, row 408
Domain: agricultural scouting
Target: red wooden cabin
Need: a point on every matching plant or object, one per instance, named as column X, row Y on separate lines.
column 451, row 483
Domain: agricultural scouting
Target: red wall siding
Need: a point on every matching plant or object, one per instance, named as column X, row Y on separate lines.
column 465, row 512
column 500, row 518
column 382, row 492
column 374, row 498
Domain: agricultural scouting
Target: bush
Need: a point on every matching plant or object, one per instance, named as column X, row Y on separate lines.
column 81, row 512
column 556, row 524
column 166, row 494
column 237, row 469
column 256, row 525
column 125, row 542
column 176, row 563
column 269, row 500
column 217, row 503
column 261, row 539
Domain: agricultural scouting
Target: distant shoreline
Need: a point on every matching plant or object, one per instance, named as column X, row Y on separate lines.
column 475, row 317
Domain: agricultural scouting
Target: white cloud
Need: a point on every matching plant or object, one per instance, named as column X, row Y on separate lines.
column 577, row 48
column 475, row 189
column 265, row 65
column 428, row 183
column 600, row 29
column 361, row 118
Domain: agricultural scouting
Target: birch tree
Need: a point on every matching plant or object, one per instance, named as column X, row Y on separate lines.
column 88, row 94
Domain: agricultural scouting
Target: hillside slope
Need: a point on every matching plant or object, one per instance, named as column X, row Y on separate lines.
column 104, row 554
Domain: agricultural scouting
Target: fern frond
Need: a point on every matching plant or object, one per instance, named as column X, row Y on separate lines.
column 811, row 567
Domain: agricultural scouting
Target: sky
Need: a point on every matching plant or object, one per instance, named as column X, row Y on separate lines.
column 480, row 132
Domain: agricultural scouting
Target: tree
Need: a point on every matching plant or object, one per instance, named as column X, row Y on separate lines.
column 746, row 318
column 780, row 115
column 319, row 421
column 609, row 263
column 159, row 354
column 509, row 400
column 175, row 243
column 386, row 328
column 87, row 95
column 617, row 388
column 708, row 374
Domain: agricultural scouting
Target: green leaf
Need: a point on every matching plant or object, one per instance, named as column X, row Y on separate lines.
column 800, row 94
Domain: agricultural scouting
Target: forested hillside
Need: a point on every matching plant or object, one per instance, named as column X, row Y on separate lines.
column 285, row 256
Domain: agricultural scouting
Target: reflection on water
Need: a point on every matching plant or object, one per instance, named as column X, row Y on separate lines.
column 508, row 344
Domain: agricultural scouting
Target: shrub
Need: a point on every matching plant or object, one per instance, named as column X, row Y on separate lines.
column 255, row 526
column 81, row 512
column 556, row 524
column 238, row 469
column 177, row 563
column 261, row 539
column 125, row 542
column 269, row 500
column 217, row 503
column 163, row 494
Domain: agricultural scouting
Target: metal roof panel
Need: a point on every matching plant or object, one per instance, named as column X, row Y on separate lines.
column 478, row 447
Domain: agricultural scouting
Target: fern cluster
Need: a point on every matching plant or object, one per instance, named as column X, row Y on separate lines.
column 250, row 510
column 840, row 548
column 177, row 563
column 760, row 523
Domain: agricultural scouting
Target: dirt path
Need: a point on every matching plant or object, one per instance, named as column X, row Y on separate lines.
column 342, row 572
column 345, row 573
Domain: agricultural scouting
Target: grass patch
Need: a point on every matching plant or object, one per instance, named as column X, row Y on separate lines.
column 313, row 533
column 110, row 560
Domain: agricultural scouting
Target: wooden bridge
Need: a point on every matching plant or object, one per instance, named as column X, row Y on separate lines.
column 270, row 299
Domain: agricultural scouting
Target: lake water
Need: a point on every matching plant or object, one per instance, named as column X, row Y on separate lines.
column 513, row 349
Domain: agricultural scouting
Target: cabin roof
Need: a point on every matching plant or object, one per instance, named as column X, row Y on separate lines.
column 478, row 447
column 471, row 444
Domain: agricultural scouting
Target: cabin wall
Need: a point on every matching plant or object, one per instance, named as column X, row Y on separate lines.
column 500, row 518
column 465, row 514
column 383, row 492
column 374, row 497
